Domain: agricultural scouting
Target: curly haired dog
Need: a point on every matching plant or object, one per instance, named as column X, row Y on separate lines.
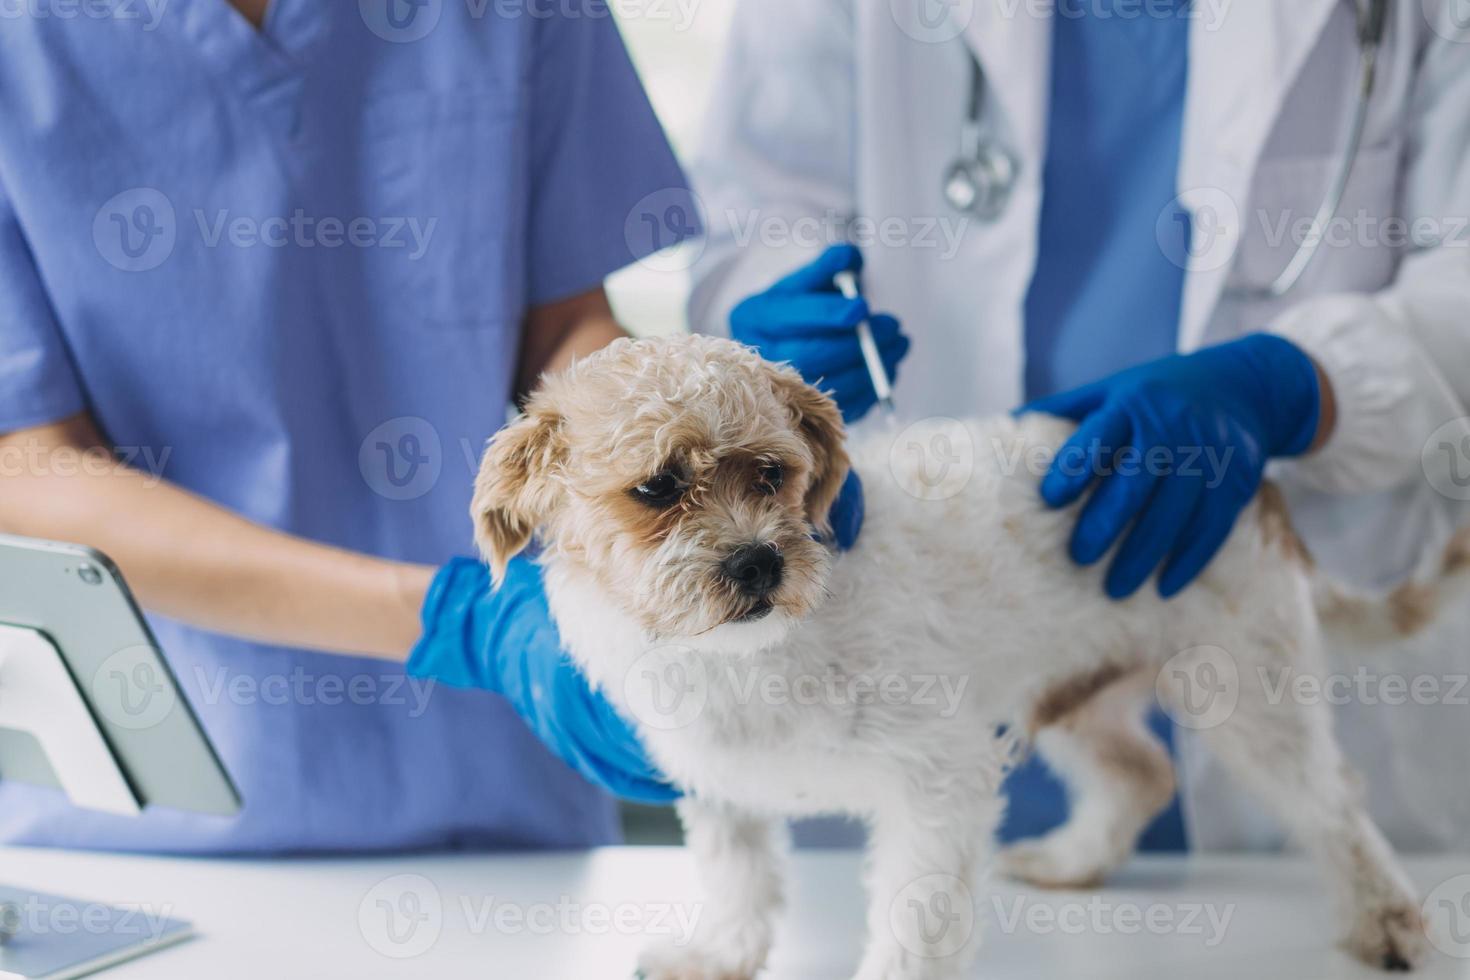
column 676, row 485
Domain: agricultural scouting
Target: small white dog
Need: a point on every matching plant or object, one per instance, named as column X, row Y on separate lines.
column 676, row 484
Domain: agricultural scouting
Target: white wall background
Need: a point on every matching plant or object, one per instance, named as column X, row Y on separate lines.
column 678, row 46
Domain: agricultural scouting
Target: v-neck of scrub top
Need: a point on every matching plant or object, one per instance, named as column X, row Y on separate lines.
column 262, row 65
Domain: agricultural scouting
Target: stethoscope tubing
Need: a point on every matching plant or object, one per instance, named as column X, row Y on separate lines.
column 982, row 202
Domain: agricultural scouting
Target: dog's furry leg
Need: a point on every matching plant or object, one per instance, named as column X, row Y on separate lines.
column 1118, row 776
column 924, row 851
column 739, row 859
column 1284, row 751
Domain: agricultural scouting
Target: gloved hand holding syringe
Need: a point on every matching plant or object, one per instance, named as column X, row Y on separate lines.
column 815, row 320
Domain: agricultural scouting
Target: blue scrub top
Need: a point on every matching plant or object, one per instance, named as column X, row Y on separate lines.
column 287, row 270
column 1105, row 294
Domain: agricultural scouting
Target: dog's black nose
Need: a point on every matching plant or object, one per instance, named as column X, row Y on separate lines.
column 755, row 569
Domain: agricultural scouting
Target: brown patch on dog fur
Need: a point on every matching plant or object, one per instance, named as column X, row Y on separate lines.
column 512, row 490
column 1457, row 555
column 1133, row 762
column 1276, row 526
column 1071, row 694
column 1411, row 607
column 819, row 420
column 647, row 525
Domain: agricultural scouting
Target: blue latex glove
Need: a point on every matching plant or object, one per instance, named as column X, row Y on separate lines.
column 806, row 322
column 504, row 641
column 846, row 516
column 1212, row 419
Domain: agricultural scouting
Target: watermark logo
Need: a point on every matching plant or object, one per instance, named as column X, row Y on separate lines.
column 401, row 21
column 148, row 13
column 1446, row 459
column 224, row 685
column 667, row 688
column 131, row 691
column 1363, row 686
column 1199, row 688
column 1205, row 15
column 943, row 693
column 1101, row 916
column 933, row 916
column 1447, row 917
column 943, row 235
column 1199, row 230
column 932, row 21
column 401, row 917
column 31, row 457
column 1450, row 19
column 933, row 459
column 136, row 230
column 402, row 458
column 666, row 229
column 36, row 916
column 301, row 230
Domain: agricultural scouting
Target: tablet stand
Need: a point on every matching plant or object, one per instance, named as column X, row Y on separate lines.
column 47, row 937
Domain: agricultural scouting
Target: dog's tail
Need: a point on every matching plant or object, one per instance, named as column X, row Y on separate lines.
column 1366, row 619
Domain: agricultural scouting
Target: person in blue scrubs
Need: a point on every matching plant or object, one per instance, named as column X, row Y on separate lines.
column 280, row 271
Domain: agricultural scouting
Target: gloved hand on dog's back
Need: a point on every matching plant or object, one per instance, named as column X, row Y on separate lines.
column 806, row 322
column 504, row 641
column 1197, row 430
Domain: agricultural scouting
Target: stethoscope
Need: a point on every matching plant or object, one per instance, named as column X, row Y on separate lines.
column 982, row 178
column 980, row 181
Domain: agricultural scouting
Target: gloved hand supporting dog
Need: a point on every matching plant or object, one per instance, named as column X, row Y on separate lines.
column 1178, row 447
column 504, row 641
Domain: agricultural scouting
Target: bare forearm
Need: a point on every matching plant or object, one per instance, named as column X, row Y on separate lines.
column 555, row 335
column 192, row 560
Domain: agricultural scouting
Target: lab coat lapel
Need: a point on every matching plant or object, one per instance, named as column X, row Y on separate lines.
column 1244, row 56
column 1013, row 43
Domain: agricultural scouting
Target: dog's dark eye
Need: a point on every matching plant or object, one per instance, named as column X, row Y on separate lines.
column 769, row 477
column 661, row 490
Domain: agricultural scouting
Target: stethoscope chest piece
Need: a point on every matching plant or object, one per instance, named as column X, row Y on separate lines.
column 980, row 181
column 981, row 184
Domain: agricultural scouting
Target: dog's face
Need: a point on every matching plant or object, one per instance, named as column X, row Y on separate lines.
column 685, row 475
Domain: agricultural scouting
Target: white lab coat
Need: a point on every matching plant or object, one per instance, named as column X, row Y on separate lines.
column 827, row 110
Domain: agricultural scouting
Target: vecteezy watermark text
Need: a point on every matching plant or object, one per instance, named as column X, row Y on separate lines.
column 140, row 228
column 302, row 687
column 403, row 916
column 31, row 457
column 302, row 230
column 146, row 13
column 1101, row 916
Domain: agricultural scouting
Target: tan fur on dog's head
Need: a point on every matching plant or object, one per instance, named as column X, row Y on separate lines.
column 716, row 419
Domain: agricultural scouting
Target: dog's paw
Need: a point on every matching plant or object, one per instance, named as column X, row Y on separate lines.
column 1054, row 862
column 1391, row 938
column 702, row 960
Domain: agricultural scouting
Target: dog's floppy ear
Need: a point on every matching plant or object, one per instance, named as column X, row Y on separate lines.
column 515, row 490
column 820, row 423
